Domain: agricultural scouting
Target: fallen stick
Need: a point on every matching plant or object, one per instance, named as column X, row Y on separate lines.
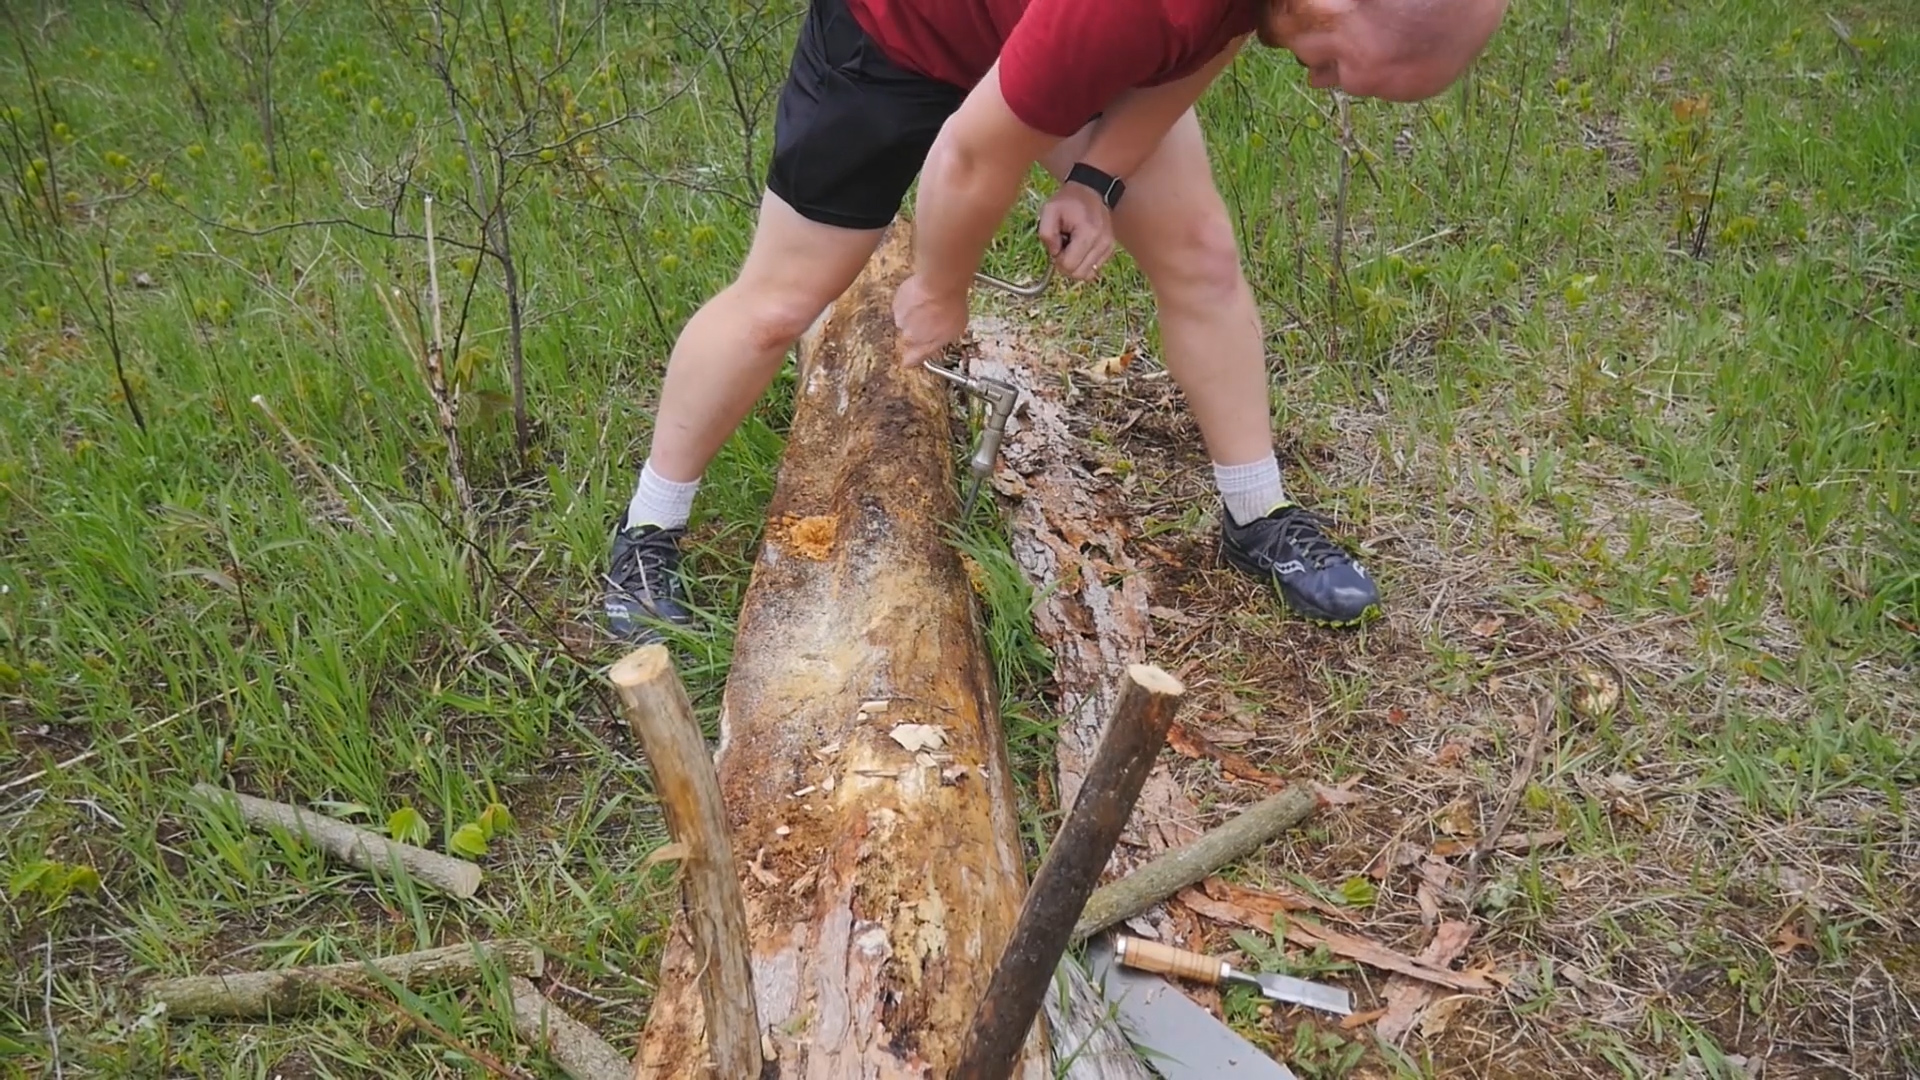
column 1128, row 749
column 1183, row 866
column 289, row 990
column 573, row 1046
column 351, row 844
column 689, row 788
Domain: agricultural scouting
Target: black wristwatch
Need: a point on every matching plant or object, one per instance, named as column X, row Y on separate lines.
column 1109, row 187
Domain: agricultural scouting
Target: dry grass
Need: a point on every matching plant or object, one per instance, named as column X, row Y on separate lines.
column 1695, row 908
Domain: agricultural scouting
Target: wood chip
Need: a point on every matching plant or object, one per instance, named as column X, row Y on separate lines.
column 673, row 852
column 918, row 737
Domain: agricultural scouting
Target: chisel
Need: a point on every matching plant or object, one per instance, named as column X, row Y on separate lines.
column 1181, row 964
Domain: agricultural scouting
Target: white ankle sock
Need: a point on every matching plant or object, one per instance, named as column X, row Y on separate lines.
column 1251, row 490
column 659, row 501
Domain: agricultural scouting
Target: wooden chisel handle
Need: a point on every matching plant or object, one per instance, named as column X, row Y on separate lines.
column 1168, row 960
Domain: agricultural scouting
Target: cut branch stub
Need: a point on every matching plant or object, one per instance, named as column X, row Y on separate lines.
column 1149, row 697
column 662, row 718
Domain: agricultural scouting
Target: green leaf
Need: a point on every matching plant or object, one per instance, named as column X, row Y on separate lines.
column 406, row 826
column 469, row 840
column 84, row 878
column 1358, row 891
column 495, row 819
column 29, row 876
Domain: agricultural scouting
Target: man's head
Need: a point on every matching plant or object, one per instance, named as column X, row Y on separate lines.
column 1395, row 50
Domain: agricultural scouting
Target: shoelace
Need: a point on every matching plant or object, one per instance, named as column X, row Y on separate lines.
column 1304, row 529
column 648, row 556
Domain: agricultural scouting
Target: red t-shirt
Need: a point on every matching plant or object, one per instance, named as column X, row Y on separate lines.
column 1061, row 61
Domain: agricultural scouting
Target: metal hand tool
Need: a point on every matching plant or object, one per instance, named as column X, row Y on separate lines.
column 1178, row 1038
column 1000, row 398
column 1168, row 960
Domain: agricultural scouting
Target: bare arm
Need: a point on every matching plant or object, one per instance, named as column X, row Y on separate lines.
column 972, row 175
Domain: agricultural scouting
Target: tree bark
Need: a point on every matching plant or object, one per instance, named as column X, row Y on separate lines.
column 861, row 756
column 290, row 990
column 1093, row 599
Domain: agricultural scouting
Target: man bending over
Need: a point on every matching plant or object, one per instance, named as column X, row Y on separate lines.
column 967, row 95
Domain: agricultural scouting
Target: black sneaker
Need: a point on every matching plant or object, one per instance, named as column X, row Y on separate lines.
column 643, row 584
column 1315, row 576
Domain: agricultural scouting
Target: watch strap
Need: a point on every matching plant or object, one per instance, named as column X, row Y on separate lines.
column 1109, row 187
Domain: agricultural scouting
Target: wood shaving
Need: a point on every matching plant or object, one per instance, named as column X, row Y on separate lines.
column 915, row 738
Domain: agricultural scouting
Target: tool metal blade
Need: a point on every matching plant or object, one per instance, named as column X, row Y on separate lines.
column 1179, row 1039
column 1313, row 995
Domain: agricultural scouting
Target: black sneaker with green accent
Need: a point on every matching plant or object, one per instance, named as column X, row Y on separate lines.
column 644, row 591
column 1289, row 549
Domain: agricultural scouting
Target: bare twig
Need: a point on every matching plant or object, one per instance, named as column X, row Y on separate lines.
column 112, row 328
column 489, row 204
column 88, row 755
column 46, row 1006
column 1543, row 712
column 428, row 358
column 306, row 458
column 1339, row 275
column 1841, row 31
column 1706, row 216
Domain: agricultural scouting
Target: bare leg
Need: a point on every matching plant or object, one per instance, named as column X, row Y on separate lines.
column 730, row 350
column 1174, row 223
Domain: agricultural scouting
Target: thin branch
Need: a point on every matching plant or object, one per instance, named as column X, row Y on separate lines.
column 113, row 344
column 1337, row 278
column 1706, row 216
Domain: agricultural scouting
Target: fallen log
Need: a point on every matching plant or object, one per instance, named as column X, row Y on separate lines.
column 861, row 758
column 351, row 844
column 283, row 991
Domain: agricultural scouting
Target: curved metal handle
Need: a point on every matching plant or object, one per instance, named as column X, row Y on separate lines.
column 1025, row 292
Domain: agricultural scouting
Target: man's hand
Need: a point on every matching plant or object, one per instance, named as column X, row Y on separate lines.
column 928, row 321
column 1077, row 229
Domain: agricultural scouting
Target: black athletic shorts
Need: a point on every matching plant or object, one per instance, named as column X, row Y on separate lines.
column 852, row 130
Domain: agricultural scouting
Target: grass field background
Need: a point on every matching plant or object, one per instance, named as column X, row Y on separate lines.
column 1630, row 316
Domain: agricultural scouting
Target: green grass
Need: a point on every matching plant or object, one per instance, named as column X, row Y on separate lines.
column 1566, row 396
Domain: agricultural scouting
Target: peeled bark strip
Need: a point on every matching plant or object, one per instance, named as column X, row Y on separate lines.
column 290, row 990
column 1093, row 611
column 661, row 716
column 862, row 761
column 351, row 844
column 573, row 1046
